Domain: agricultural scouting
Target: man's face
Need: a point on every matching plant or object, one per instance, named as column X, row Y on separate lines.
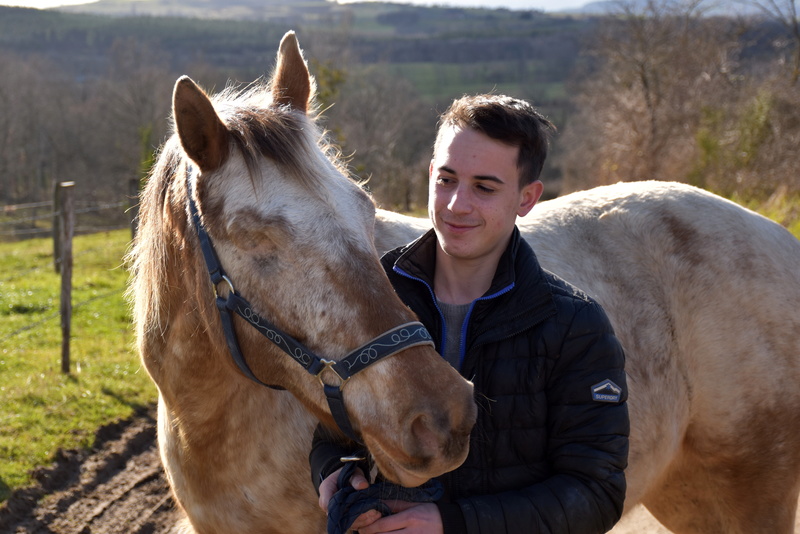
column 474, row 196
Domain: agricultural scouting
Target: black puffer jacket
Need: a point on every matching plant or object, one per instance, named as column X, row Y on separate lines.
column 546, row 454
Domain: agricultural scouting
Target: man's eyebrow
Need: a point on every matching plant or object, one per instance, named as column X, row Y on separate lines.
column 481, row 177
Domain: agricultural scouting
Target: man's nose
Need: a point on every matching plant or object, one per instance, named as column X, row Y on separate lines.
column 459, row 201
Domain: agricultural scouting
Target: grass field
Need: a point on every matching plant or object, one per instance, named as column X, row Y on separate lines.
column 42, row 409
column 438, row 81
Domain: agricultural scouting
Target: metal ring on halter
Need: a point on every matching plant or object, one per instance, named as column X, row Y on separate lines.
column 230, row 285
column 353, row 458
column 328, row 364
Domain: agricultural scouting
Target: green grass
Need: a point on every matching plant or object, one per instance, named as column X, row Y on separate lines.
column 42, row 409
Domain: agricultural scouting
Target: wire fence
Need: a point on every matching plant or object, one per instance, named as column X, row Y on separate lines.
column 59, row 218
column 57, row 314
column 35, row 219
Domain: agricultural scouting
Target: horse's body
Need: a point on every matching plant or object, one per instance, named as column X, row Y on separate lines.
column 294, row 236
column 703, row 295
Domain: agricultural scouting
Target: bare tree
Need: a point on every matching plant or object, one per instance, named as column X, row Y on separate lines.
column 673, row 97
column 388, row 131
column 785, row 12
column 31, row 100
column 131, row 105
column 657, row 68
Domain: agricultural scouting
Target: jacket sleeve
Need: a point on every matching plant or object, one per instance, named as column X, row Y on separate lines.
column 326, row 453
column 587, row 444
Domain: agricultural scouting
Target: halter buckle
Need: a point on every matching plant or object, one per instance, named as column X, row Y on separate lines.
column 329, row 364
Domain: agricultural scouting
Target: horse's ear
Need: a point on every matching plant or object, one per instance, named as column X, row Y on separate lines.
column 203, row 136
column 291, row 83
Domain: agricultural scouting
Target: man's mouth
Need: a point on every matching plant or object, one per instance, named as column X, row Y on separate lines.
column 459, row 226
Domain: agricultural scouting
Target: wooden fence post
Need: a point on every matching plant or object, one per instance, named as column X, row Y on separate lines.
column 56, row 228
column 66, row 232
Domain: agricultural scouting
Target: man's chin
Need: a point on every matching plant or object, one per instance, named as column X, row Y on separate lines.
column 456, row 248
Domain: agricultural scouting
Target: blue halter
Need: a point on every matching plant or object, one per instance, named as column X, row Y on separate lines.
column 387, row 344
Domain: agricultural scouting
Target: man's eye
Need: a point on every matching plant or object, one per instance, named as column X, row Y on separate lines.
column 484, row 189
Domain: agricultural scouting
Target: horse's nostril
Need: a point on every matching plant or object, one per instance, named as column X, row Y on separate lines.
column 428, row 440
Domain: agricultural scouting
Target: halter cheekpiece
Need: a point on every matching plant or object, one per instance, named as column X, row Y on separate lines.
column 391, row 342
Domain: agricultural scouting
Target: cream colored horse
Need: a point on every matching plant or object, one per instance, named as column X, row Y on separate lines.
column 704, row 296
column 295, row 237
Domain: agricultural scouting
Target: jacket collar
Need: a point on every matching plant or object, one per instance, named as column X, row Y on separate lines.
column 518, row 272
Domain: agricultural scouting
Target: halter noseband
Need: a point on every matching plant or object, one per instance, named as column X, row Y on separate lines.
column 391, row 342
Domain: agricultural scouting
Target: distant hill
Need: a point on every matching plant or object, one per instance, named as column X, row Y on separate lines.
column 443, row 51
column 724, row 8
column 281, row 11
column 275, row 11
column 325, row 11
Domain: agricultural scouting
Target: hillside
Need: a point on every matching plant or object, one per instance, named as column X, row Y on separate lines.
column 385, row 70
column 522, row 47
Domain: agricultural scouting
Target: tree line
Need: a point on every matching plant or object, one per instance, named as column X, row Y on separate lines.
column 655, row 91
column 674, row 95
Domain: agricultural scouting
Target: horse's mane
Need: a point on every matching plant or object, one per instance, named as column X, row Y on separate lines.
column 162, row 246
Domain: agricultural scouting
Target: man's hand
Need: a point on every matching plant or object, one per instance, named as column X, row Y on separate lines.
column 408, row 518
column 329, row 487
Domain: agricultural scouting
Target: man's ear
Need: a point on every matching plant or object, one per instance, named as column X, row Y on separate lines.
column 529, row 196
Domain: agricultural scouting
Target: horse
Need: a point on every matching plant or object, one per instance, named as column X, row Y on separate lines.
column 249, row 227
column 703, row 295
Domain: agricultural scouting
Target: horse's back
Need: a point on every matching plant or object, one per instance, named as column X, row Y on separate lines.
column 715, row 274
column 395, row 229
column 676, row 247
column 701, row 293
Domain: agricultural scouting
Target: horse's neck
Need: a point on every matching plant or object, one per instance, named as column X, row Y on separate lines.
column 256, row 453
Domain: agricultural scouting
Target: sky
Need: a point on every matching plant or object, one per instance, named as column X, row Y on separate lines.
column 546, row 5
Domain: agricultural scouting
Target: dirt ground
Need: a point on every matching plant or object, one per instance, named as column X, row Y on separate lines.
column 119, row 487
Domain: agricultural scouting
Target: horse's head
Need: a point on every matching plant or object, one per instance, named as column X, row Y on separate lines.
column 295, row 237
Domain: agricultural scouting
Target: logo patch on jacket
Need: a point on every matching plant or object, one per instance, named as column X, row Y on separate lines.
column 606, row 391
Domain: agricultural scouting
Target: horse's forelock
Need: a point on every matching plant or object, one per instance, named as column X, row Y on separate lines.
column 289, row 138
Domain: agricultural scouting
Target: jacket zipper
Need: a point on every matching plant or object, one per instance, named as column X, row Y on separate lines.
column 443, row 338
column 465, row 325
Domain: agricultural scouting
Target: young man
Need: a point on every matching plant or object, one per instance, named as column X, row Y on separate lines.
column 546, row 454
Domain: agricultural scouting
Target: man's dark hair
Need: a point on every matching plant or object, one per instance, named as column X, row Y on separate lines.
column 508, row 120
